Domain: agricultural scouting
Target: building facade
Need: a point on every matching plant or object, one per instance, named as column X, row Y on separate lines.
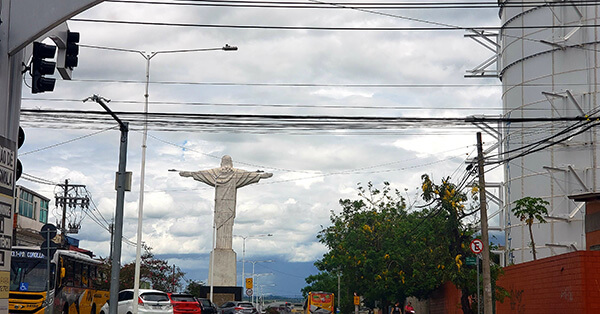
column 31, row 213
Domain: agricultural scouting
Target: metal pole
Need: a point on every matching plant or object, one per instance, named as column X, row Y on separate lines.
column 478, row 297
column 253, row 283
column 212, row 261
column 63, row 229
column 138, row 250
column 116, row 258
column 121, row 182
column 243, row 261
column 339, row 285
column 487, row 281
column 49, row 305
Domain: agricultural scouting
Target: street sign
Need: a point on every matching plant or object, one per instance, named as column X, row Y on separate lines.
column 470, row 260
column 249, row 283
column 48, row 231
column 476, row 246
column 49, row 247
column 249, row 292
column 356, row 300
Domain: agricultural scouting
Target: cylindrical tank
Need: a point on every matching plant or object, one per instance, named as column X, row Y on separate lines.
column 549, row 68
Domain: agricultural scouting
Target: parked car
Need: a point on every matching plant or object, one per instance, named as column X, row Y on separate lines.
column 237, row 307
column 149, row 302
column 281, row 307
column 184, row 303
column 207, row 306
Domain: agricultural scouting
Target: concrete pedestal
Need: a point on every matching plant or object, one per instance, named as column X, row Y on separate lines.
column 224, row 268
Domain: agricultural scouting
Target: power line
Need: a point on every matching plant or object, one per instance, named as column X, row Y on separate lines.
column 267, row 84
column 65, row 142
column 374, row 5
column 293, row 106
column 448, row 27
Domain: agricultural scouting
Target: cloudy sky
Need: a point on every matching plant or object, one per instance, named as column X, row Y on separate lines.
column 296, row 61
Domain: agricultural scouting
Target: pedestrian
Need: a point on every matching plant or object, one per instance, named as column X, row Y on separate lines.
column 396, row 309
column 409, row 309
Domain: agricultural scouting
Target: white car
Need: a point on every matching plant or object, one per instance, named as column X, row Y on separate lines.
column 149, row 302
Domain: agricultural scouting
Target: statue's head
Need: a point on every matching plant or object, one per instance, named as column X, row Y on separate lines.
column 226, row 162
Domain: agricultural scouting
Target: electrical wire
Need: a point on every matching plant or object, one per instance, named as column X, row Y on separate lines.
column 446, row 27
column 374, row 5
column 66, row 142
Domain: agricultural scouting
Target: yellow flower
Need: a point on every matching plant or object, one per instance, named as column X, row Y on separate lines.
column 387, row 256
column 458, row 261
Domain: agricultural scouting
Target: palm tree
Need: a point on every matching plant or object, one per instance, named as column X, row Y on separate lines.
column 528, row 209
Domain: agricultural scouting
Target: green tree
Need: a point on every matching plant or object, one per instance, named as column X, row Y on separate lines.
column 373, row 244
column 449, row 202
column 156, row 271
column 193, row 287
column 323, row 281
column 528, row 209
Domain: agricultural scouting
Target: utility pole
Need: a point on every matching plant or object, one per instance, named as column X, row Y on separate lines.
column 73, row 196
column 63, row 229
column 487, row 279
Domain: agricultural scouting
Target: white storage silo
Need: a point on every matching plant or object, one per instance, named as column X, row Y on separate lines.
column 549, row 58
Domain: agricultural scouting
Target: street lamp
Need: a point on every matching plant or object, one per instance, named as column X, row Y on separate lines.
column 138, row 252
column 244, row 250
column 121, row 187
column 148, row 57
column 258, row 275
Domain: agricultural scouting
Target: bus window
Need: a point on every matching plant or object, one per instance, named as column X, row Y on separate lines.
column 84, row 276
column 93, row 276
column 77, row 273
column 69, row 274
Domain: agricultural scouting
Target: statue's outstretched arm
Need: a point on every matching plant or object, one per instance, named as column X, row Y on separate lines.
column 185, row 173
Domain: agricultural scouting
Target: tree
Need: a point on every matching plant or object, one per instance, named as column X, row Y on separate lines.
column 194, row 287
column 448, row 201
column 528, row 209
column 323, row 281
column 373, row 245
column 156, row 271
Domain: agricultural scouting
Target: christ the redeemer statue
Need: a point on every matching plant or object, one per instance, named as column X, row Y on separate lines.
column 226, row 181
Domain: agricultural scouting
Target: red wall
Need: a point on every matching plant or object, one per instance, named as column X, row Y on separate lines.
column 567, row 283
column 445, row 300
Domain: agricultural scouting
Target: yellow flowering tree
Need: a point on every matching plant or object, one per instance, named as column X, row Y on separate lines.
column 448, row 201
column 372, row 244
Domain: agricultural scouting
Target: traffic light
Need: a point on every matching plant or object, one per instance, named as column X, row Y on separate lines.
column 41, row 67
column 68, row 49
column 20, row 141
column 72, row 51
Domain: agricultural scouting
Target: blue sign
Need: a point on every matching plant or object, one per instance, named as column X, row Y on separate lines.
column 24, row 286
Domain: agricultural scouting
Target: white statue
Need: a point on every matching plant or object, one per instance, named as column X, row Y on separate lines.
column 226, row 181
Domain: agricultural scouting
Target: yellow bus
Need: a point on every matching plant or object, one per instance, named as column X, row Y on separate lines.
column 319, row 302
column 79, row 286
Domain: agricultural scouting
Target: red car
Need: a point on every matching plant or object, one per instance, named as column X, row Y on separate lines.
column 184, row 304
